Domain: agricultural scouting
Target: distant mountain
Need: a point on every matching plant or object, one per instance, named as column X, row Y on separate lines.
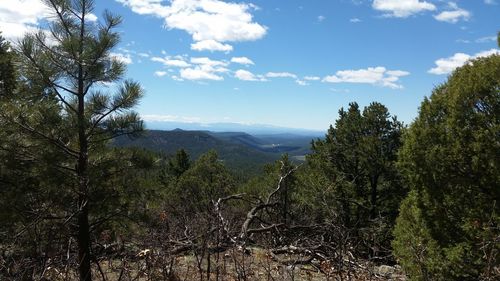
column 236, row 156
column 238, row 137
column 253, row 129
column 295, row 145
column 240, row 151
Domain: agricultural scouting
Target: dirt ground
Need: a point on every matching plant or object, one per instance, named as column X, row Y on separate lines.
column 232, row 265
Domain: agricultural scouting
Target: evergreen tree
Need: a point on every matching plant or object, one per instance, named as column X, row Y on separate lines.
column 338, row 157
column 357, row 157
column 7, row 85
column 7, row 72
column 179, row 163
column 206, row 180
column 448, row 226
column 379, row 147
column 62, row 113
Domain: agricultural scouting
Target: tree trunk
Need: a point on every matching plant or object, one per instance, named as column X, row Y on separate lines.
column 373, row 199
column 346, row 208
column 84, row 243
column 83, row 236
column 285, row 202
column 84, row 259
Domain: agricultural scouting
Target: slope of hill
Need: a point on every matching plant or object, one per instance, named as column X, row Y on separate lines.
column 237, row 156
column 243, row 153
column 295, row 145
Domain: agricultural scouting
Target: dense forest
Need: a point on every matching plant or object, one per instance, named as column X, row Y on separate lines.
column 374, row 199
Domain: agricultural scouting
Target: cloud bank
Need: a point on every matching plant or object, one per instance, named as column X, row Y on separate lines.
column 211, row 23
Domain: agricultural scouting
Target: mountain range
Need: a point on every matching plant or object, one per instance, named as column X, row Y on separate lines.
column 253, row 129
column 240, row 151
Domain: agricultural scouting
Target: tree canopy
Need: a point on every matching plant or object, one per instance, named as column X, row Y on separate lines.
column 447, row 226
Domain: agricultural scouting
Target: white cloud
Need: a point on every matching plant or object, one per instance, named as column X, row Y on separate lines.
column 20, row 17
column 177, row 78
column 124, row 58
column 204, row 19
column 355, row 20
column 397, row 73
column 199, row 74
column 211, row 45
column 127, row 51
column 312, row 78
column 246, row 75
column 144, row 55
column 91, row 17
column 242, row 60
column 25, row 16
column 486, row 39
column 447, row 65
column 486, row 53
column 340, row 90
column 301, row 82
column 14, row 31
column 402, row 8
column 281, row 75
column 490, row 2
column 372, row 75
column 171, row 62
column 321, row 18
column 204, row 69
column 208, row 62
column 454, row 15
column 160, row 73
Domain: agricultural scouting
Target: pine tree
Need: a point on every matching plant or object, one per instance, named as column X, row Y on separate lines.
column 63, row 108
column 7, row 72
column 179, row 163
column 357, row 157
column 358, row 154
column 7, row 86
column 206, row 180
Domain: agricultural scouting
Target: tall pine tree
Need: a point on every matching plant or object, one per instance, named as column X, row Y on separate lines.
column 358, row 157
column 63, row 109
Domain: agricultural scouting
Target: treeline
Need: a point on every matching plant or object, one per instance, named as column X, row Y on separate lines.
column 372, row 192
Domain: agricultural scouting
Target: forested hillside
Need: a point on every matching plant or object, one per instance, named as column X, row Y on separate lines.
column 241, row 152
column 236, row 156
column 86, row 193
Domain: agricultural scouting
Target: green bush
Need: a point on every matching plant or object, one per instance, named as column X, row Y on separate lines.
column 448, row 228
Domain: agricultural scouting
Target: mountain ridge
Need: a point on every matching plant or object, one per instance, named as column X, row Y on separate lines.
column 253, row 129
column 239, row 150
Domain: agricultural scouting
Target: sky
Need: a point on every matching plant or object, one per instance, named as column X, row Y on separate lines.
column 286, row 63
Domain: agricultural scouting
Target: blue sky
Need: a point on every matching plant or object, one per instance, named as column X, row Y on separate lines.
column 287, row 63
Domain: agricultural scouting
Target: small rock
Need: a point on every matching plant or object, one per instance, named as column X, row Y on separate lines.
column 385, row 270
